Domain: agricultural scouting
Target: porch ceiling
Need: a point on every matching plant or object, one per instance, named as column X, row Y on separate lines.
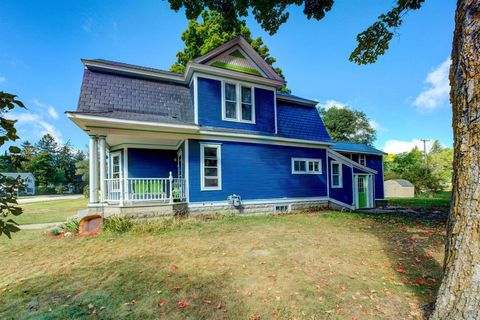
column 116, row 141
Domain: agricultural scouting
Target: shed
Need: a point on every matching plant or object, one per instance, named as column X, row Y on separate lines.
column 28, row 180
column 399, row 188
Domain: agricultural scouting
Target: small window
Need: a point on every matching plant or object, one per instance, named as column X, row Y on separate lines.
column 306, row 166
column 362, row 159
column 211, row 167
column 238, row 103
column 116, row 166
column 247, row 109
column 284, row 208
column 336, row 175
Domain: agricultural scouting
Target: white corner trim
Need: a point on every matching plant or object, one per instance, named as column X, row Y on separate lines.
column 187, row 169
column 195, row 99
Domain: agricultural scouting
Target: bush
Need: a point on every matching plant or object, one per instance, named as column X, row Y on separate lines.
column 86, row 191
column 165, row 224
column 55, row 231
column 71, row 225
column 117, row 224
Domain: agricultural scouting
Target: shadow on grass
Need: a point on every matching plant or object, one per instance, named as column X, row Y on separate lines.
column 125, row 289
column 410, row 244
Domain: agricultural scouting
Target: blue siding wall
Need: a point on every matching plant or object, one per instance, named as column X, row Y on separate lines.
column 300, row 122
column 375, row 162
column 151, row 163
column 210, row 108
column 344, row 194
column 258, row 171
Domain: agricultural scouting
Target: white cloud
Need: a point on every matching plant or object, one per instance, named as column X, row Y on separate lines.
column 33, row 124
column 375, row 125
column 437, row 92
column 332, row 103
column 399, row 146
column 52, row 112
column 2, row 79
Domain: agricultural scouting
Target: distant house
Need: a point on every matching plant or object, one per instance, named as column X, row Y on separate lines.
column 218, row 137
column 27, row 178
column 399, row 188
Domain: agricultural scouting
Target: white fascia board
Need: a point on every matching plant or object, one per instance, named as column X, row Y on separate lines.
column 337, row 156
column 303, row 102
column 105, row 120
column 360, row 152
column 158, row 75
column 195, row 67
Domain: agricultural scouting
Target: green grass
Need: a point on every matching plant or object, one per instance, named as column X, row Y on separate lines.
column 306, row 266
column 425, row 200
column 50, row 211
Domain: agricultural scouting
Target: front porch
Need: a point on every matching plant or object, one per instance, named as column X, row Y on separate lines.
column 135, row 174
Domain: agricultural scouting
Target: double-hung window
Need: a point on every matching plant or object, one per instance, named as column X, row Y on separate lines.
column 362, row 159
column 336, row 175
column 238, row 103
column 211, row 167
column 306, row 166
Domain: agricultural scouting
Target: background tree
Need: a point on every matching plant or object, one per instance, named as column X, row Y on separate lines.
column 460, row 288
column 8, row 186
column 347, row 125
column 203, row 36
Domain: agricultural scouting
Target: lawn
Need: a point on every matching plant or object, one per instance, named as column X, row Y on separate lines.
column 440, row 200
column 305, row 266
column 50, row 211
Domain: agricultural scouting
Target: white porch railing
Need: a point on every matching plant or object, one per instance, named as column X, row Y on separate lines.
column 145, row 189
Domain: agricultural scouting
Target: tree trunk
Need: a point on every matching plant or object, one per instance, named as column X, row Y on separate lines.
column 459, row 293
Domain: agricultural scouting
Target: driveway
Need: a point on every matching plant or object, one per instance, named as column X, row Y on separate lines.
column 49, row 198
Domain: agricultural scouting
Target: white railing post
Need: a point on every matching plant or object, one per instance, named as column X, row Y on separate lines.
column 122, row 191
column 170, row 180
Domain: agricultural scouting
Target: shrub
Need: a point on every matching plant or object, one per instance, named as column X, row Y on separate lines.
column 72, row 225
column 117, row 224
column 165, row 224
column 55, row 231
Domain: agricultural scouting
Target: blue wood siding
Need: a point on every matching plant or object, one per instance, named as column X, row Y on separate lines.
column 151, row 163
column 210, row 108
column 344, row 194
column 258, row 171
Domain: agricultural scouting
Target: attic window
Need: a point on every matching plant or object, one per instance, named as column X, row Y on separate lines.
column 362, row 159
column 238, row 103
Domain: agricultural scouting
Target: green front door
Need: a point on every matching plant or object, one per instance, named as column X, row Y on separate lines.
column 362, row 191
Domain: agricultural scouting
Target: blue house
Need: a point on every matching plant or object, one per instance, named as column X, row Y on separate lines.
column 218, row 137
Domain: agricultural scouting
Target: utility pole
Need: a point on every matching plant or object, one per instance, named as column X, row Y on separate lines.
column 425, row 151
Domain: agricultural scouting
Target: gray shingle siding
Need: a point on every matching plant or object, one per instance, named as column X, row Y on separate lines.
column 122, row 97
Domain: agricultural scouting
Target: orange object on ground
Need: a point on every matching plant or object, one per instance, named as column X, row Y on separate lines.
column 90, row 225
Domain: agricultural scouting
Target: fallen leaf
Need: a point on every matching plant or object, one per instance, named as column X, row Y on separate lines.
column 182, row 304
column 400, row 270
column 90, row 306
column 276, row 314
column 207, row 301
column 420, row 280
column 161, row 303
column 173, row 267
column 78, row 292
column 161, row 314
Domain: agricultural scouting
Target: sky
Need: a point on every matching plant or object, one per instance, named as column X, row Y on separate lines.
column 405, row 94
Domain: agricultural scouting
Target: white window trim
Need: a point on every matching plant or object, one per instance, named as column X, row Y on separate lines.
column 202, row 166
column 364, row 158
column 307, row 160
column 238, row 90
column 340, row 175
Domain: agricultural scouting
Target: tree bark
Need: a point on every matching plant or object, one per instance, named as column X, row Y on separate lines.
column 459, row 293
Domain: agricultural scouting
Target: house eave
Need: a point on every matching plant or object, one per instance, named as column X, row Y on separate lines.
column 334, row 154
column 361, row 152
column 303, row 102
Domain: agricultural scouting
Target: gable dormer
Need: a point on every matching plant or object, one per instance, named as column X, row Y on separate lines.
column 234, row 88
column 239, row 56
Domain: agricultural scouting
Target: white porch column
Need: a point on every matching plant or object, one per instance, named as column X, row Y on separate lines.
column 93, row 170
column 103, row 167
